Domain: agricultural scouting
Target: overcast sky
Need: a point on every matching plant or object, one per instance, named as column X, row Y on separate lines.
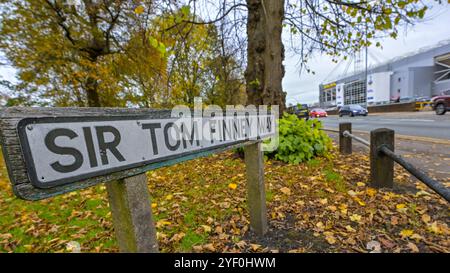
column 305, row 88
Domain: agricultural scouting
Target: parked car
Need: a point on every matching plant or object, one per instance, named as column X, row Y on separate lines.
column 318, row 113
column 352, row 110
column 441, row 104
column 301, row 110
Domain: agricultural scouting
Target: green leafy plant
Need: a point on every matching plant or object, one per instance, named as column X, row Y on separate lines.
column 301, row 140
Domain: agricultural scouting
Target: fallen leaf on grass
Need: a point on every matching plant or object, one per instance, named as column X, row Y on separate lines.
column 360, row 184
column 286, row 191
column 371, row 192
column 406, row 233
column 426, row 218
column 355, row 217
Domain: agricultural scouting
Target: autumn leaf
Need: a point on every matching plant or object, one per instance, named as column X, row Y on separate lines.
column 206, row 228
column 286, row 191
column 426, row 218
column 394, row 220
column 360, row 202
column 255, row 247
column 232, row 186
column 177, row 237
column 371, row 192
column 139, row 9
column 330, row 239
column 349, row 228
column 413, row 247
column 401, row 208
column 360, row 184
column 169, row 197
column 406, row 233
column 355, row 218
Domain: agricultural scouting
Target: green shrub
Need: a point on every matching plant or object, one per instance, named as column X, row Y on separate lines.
column 301, row 140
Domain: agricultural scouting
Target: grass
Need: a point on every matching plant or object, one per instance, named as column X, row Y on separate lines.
column 193, row 206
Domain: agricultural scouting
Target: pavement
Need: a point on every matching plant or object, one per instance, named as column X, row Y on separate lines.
column 423, row 138
column 420, row 124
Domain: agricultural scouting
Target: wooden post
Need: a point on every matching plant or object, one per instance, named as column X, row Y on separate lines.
column 345, row 143
column 132, row 216
column 381, row 166
column 255, row 188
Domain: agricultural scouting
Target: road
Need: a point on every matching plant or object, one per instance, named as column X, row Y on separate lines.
column 421, row 124
column 431, row 156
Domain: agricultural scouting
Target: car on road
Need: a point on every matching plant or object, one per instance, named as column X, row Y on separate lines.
column 318, row 113
column 352, row 110
column 441, row 104
column 301, row 110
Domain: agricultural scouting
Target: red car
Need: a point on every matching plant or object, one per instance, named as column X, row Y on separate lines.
column 318, row 113
column 441, row 104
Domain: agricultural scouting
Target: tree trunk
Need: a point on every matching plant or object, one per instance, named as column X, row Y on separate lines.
column 92, row 92
column 265, row 53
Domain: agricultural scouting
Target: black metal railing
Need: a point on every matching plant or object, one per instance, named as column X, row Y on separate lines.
column 382, row 157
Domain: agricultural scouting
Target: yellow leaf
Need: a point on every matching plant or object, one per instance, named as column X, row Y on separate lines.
column 360, row 184
column 343, row 208
column 323, row 201
column 349, row 228
column 286, row 191
column 355, row 217
column 360, row 202
column 330, row 239
column 169, row 197
column 154, row 205
column 320, row 225
column 406, row 232
column 371, row 192
column 206, row 228
column 162, row 223
column 401, row 208
column 232, row 186
column 139, row 10
column 434, row 227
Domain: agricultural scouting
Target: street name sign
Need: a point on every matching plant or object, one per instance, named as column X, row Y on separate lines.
column 49, row 151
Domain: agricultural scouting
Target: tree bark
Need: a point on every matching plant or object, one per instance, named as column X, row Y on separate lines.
column 265, row 53
column 92, row 92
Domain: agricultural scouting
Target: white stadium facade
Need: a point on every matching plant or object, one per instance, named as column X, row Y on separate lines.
column 420, row 75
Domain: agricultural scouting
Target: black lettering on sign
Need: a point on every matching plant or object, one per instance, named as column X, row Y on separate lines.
column 111, row 146
column 193, row 136
column 90, row 146
column 166, row 136
column 51, row 145
column 152, row 127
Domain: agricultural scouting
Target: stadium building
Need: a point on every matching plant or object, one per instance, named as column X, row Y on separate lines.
column 422, row 74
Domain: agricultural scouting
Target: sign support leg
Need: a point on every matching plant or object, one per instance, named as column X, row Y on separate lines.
column 132, row 216
column 255, row 188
